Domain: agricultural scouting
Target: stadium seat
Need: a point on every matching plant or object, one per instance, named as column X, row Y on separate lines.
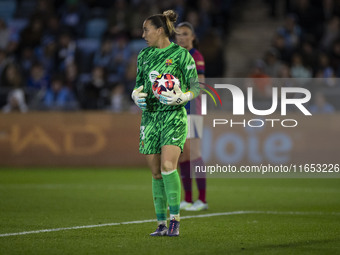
column 95, row 28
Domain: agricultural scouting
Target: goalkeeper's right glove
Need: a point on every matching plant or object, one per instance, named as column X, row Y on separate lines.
column 139, row 97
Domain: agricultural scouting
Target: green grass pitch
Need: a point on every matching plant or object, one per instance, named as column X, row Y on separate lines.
column 286, row 216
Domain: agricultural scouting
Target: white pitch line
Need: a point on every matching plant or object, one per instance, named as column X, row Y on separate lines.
column 153, row 220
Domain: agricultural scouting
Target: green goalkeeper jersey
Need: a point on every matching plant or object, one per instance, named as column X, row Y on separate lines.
column 174, row 60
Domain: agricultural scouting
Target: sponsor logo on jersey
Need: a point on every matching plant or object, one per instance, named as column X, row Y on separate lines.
column 168, row 62
column 153, row 75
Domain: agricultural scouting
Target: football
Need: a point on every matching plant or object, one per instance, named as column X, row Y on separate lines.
column 164, row 82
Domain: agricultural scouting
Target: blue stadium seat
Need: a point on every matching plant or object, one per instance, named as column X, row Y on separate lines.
column 95, row 28
column 7, row 9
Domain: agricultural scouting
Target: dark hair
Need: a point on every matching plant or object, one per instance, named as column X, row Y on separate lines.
column 188, row 25
column 165, row 20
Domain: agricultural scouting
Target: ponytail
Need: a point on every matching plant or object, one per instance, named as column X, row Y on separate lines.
column 171, row 18
column 165, row 20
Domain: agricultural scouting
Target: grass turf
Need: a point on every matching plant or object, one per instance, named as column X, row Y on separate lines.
column 56, row 198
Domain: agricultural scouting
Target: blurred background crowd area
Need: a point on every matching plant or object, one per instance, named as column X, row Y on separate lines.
column 305, row 46
column 81, row 54
column 73, row 54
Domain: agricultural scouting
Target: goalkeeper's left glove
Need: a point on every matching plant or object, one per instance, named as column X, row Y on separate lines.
column 139, row 97
column 169, row 98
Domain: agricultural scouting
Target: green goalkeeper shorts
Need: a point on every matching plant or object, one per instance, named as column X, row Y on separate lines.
column 162, row 128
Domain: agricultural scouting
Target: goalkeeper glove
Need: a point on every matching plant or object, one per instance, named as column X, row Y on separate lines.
column 139, row 97
column 169, row 98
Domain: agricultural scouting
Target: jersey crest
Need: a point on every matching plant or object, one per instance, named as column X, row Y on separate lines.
column 168, row 62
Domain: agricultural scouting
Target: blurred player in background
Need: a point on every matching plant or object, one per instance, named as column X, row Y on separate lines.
column 163, row 127
column 185, row 37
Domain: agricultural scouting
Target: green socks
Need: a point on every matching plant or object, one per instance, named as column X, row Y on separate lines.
column 164, row 191
column 159, row 199
column 172, row 186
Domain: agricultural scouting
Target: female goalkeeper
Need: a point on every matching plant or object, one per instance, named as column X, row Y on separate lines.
column 163, row 128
